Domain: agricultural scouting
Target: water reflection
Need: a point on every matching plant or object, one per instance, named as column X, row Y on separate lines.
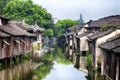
column 17, row 72
column 57, row 68
column 84, row 63
column 42, row 70
column 65, row 72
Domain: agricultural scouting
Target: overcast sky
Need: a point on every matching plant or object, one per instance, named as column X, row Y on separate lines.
column 71, row 9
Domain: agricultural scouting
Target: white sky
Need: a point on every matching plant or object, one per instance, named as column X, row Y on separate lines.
column 71, row 9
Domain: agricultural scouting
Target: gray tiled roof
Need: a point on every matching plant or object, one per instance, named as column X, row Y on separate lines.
column 110, row 20
column 113, row 45
column 96, row 35
column 36, row 28
column 14, row 30
column 75, row 28
column 27, row 27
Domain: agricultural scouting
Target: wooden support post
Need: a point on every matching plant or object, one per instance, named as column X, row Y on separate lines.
column 20, row 58
column 74, row 58
column 77, row 61
column 8, row 61
column 14, row 59
column 3, row 62
column 117, row 69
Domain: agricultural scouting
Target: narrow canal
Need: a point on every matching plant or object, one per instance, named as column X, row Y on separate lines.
column 65, row 72
column 51, row 66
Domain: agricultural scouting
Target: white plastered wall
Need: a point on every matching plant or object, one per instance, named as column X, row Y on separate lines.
column 84, row 43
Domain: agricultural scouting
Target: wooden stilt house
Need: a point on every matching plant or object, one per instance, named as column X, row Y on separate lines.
column 70, row 37
column 33, row 29
column 17, row 37
column 98, row 37
column 95, row 41
column 82, row 44
column 5, row 40
column 5, row 45
column 82, row 47
column 111, row 56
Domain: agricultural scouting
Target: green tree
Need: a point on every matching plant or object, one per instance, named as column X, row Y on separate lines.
column 62, row 25
column 49, row 32
column 104, row 27
column 28, row 11
column 2, row 5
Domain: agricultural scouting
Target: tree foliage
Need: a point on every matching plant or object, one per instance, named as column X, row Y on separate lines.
column 49, row 32
column 106, row 27
column 2, row 5
column 28, row 11
column 62, row 25
column 33, row 13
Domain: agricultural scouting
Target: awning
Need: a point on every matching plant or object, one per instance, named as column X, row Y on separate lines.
column 23, row 40
column 6, row 42
column 17, row 41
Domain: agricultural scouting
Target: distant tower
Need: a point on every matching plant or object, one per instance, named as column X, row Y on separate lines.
column 81, row 19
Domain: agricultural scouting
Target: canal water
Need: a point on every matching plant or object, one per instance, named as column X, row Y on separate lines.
column 51, row 66
column 65, row 72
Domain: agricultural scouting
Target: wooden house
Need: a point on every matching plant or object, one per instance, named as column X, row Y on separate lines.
column 81, row 29
column 5, row 39
column 82, row 44
column 111, row 58
column 70, row 38
column 97, row 39
column 67, row 41
column 92, row 42
column 33, row 29
column 82, row 48
column 18, row 40
column 26, row 41
column 109, row 21
column 38, row 32
column 4, row 45
column 19, row 36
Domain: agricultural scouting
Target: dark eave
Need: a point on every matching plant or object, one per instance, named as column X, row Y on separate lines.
column 3, row 34
column 111, row 44
column 70, row 33
column 82, row 35
column 117, row 50
column 4, row 18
